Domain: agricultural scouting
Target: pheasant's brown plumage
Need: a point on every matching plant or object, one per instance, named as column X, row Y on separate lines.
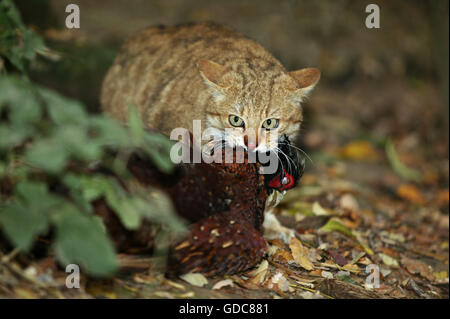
column 224, row 204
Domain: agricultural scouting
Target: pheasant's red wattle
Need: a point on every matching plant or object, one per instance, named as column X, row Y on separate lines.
column 277, row 182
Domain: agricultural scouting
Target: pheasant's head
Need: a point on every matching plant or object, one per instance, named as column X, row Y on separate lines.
column 290, row 169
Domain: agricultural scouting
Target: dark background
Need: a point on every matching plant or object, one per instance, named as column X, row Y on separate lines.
column 387, row 81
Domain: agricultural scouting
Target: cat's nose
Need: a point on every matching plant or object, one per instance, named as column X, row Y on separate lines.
column 251, row 146
column 250, row 143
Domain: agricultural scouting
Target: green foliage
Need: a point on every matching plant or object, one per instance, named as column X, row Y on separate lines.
column 399, row 167
column 48, row 144
column 17, row 43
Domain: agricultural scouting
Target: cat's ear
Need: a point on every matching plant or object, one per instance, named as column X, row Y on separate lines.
column 306, row 80
column 212, row 74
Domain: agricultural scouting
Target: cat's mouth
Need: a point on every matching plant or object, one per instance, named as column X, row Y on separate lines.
column 291, row 164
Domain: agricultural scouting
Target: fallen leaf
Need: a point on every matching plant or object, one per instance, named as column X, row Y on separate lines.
column 359, row 150
column 385, row 272
column 189, row 294
column 318, row 210
column 352, row 268
column 223, row 283
column 398, row 166
column 388, row 260
column 411, row 193
column 272, row 250
column 441, row 277
column 176, row 285
column 195, row 279
column 164, row 294
column 443, row 197
column 397, row 237
column 327, row 274
column 283, row 256
column 300, row 254
column 334, row 225
column 417, row 267
column 348, row 202
column 259, row 274
column 281, row 281
column 338, row 259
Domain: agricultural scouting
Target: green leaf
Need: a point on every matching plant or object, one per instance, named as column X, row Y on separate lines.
column 63, row 110
column 11, row 12
column 109, row 132
column 22, row 223
column 82, row 240
column 48, row 155
column 27, row 216
column 155, row 206
column 128, row 209
column 334, row 225
column 18, row 96
column 77, row 143
column 31, row 44
column 158, row 147
column 398, row 166
column 13, row 135
column 18, row 44
column 91, row 187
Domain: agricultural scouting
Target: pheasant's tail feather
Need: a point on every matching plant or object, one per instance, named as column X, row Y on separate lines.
column 217, row 245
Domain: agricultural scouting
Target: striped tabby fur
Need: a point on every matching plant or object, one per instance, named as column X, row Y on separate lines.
column 177, row 74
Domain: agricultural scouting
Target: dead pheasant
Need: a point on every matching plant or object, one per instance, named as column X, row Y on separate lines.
column 223, row 202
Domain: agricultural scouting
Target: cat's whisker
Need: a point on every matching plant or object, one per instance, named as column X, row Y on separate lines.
column 279, row 159
column 296, row 167
column 279, row 150
column 289, row 159
column 304, row 153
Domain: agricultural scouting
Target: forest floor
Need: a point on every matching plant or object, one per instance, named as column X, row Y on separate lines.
column 373, row 202
column 358, row 213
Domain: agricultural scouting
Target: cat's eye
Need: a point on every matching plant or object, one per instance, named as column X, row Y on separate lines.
column 270, row 124
column 236, row 121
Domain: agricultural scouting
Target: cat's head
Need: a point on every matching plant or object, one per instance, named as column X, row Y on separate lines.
column 255, row 102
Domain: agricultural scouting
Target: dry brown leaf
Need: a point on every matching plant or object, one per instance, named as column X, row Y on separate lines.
column 300, row 254
column 259, row 274
column 359, row 150
column 283, row 256
column 411, row 193
column 352, row 268
column 443, row 197
column 417, row 267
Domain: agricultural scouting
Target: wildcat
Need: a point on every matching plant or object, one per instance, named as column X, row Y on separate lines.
column 207, row 72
